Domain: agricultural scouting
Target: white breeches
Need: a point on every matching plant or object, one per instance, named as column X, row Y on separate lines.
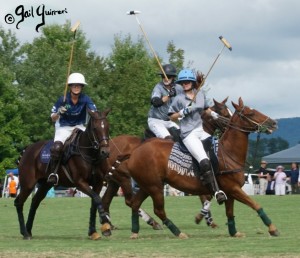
column 193, row 143
column 160, row 127
column 63, row 132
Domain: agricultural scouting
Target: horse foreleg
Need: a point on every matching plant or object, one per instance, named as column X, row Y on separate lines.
column 241, row 196
column 108, row 196
column 92, row 233
column 97, row 202
column 229, row 205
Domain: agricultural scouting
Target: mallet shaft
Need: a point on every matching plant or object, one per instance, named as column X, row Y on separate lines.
column 73, row 29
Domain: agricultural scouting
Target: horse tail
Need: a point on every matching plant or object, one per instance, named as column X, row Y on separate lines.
column 20, row 156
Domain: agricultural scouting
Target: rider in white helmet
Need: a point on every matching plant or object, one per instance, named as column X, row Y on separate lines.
column 68, row 115
column 187, row 108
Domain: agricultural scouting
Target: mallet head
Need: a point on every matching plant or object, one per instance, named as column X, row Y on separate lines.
column 225, row 42
column 133, row 12
column 75, row 27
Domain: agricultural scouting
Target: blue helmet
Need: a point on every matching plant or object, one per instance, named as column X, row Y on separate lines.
column 186, row 75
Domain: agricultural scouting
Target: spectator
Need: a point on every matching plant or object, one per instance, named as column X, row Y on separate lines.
column 280, row 180
column 293, row 175
column 12, row 187
column 263, row 174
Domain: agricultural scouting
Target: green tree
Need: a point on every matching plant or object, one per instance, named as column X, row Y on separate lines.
column 132, row 74
column 176, row 56
column 11, row 125
column 264, row 147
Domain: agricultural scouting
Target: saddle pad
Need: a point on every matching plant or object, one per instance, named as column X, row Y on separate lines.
column 45, row 152
column 182, row 162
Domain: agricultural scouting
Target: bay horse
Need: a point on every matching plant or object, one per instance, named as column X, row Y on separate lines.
column 121, row 178
column 85, row 167
column 148, row 165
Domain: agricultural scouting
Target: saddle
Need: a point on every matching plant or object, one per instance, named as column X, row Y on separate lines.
column 70, row 148
column 183, row 162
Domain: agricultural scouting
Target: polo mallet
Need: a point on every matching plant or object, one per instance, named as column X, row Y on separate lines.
column 225, row 44
column 73, row 29
column 139, row 23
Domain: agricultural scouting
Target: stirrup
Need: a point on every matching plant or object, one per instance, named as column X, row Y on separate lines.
column 220, row 196
column 53, row 179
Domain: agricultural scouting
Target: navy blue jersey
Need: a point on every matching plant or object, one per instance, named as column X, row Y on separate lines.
column 75, row 114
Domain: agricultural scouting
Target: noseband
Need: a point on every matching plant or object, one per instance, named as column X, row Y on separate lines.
column 97, row 143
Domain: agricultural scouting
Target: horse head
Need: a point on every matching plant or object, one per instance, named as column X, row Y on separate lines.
column 210, row 125
column 253, row 120
column 98, row 128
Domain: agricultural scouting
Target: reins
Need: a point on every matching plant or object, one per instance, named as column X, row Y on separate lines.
column 258, row 127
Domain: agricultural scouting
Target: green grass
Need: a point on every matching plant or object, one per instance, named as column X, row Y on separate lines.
column 61, row 225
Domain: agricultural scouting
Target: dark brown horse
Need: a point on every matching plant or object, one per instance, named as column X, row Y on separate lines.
column 127, row 143
column 148, row 165
column 85, row 167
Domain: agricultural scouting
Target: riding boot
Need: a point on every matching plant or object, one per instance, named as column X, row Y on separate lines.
column 56, row 155
column 210, row 181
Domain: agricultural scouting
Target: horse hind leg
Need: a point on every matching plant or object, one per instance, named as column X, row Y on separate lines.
column 19, row 204
column 35, row 203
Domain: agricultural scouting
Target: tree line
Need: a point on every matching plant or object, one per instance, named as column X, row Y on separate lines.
column 33, row 76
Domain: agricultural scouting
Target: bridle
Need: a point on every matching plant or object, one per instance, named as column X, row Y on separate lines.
column 95, row 142
column 257, row 127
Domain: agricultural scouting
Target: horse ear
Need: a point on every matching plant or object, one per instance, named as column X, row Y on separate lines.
column 225, row 100
column 241, row 103
column 90, row 111
column 107, row 111
column 234, row 105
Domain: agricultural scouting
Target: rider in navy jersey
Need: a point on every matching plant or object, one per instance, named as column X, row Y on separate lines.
column 68, row 115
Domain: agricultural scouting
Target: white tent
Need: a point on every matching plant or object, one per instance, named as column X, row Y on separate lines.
column 285, row 156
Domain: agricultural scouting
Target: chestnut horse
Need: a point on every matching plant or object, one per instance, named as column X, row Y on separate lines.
column 84, row 168
column 127, row 143
column 148, row 165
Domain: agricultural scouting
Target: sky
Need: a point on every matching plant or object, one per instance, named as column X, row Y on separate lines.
column 263, row 67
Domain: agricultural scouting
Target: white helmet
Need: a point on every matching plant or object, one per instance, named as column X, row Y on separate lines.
column 76, row 78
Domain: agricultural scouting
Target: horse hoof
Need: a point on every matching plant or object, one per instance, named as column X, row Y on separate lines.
column 157, row 226
column 198, row 218
column 106, row 230
column 213, row 225
column 95, row 236
column 183, row 236
column 113, row 227
column 134, row 236
column 239, row 234
column 274, row 233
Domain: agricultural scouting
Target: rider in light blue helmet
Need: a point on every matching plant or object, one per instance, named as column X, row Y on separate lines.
column 187, row 109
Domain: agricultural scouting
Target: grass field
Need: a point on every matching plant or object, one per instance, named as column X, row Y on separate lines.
column 61, row 226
